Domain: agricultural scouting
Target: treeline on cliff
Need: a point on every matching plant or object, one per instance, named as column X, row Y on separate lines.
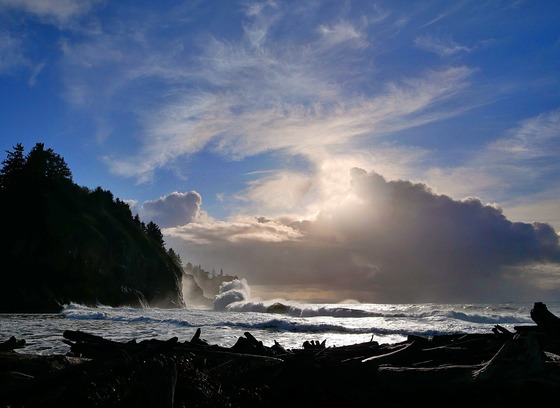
column 200, row 286
column 67, row 243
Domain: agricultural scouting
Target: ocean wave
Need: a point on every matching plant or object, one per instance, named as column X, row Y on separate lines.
column 488, row 319
column 129, row 319
column 288, row 324
column 428, row 313
column 296, row 318
column 362, row 311
column 232, row 292
column 282, row 326
column 121, row 314
column 282, row 307
column 279, row 306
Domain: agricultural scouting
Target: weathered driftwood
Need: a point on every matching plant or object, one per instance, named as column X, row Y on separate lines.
column 547, row 322
column 11, row 344
column 499, row 369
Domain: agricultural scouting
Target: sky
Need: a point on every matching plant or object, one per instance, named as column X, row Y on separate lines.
column 379, row 151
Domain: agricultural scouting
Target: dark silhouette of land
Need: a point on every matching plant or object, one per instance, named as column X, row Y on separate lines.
column 67, row 243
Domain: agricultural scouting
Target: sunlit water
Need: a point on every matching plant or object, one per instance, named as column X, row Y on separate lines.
column 338, row 324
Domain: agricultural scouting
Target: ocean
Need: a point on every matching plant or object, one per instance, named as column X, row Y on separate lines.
column 336, row 324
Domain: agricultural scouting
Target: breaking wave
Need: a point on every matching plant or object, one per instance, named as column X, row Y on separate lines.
column 295, row 309
column 235, row 296
column 232, row 292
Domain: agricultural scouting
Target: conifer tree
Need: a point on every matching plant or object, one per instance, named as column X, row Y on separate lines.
column 46, row 164
column 154, row 232
column 12, row 167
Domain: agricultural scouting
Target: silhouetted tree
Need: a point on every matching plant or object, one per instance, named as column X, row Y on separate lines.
column 175, row 256
column 12, row 167
column 46, row 164
column 69, row 243
column 153, row 231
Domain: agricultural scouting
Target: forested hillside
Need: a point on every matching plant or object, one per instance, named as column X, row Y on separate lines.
column 66, row 243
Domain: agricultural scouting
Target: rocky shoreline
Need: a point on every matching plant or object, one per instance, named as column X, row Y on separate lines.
column 496, row 369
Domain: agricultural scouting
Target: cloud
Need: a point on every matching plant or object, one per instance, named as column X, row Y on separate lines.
column 324, row 181
column 11, row 53
column 59, row 11
column 518, row 169
column 173, row 209
column 544, row 203
column 388, row 241
column 232, row 126
column 35, row 73
column 279, row 87
column 239, row 229
column 534, row 138
column 283, row 190
column 13, row 56
column 444, row 47
column 341, row 34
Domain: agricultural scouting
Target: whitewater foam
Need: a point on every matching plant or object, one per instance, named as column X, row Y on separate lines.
column 235, row 313
column 232, row 292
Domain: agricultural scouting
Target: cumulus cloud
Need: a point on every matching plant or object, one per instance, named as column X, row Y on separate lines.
column 173, row 209
column 389, row 241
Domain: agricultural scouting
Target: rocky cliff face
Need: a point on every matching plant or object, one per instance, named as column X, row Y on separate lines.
column 193, row 293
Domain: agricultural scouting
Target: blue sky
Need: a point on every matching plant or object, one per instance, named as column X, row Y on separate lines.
column 266, row 138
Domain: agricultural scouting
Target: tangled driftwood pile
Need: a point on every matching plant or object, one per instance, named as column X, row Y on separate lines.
column 498, row 369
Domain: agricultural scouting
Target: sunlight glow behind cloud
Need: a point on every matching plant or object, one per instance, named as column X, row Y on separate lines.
column 389, row 234
column 335, row 147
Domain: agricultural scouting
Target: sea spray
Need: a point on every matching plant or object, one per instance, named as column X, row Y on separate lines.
column 231, row 292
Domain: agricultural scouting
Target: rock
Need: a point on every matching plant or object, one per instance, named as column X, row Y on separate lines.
column 277, row 307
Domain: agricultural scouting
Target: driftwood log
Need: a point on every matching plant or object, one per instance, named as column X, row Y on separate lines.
column 497, row 369
column 11, row 344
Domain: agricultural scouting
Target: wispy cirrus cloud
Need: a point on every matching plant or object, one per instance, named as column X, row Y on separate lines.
column 534, row 138
column 14, row 56
column 253, row 94
column 233, row 127
column 444, row 47
column 521, row 163
column 341, row 34
column 56, row 11
column 11, row 53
